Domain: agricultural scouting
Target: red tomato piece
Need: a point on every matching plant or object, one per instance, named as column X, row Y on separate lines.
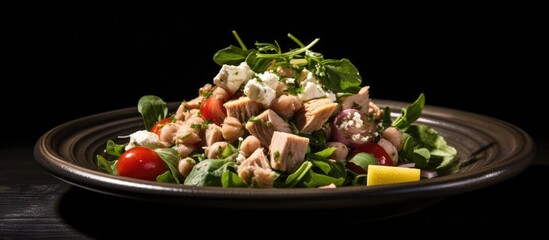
column 140, row 162
column 379, row 153
column 213, row 110
column 158, row 126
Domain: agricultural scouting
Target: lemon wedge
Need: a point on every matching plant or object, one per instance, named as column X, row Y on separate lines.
column 381, row 174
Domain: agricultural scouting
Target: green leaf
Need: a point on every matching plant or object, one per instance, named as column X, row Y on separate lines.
column 171, row 157
column 231, row 55
column 231, row 179
column 209, row 172
column 410, row 114
column 258, row 65
column 106, row 165
column 424, row 146
column 326, row 152
column 152, row 109
column 339, row 75
column 363, row 160
column 296, row 176
column 166, row 177
column 114, row 149
column 312, row 180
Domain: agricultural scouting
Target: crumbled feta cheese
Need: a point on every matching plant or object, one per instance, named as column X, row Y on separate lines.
column 232, row 77
column 259, row 92
column 143, row 138
column 311, row 91
column 307, row 76
column 270, row 79
column 290, row 80
column 240, row 157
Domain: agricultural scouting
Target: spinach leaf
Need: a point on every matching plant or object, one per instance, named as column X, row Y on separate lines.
column 326, row 152
column 231, row 179
column 231, row 55
column 258, row 65
column 209, row 172
column 410, row 113
column 166, row 177
column 152, row 109
column 171, row 157
column 363, row 160
column 338, row 75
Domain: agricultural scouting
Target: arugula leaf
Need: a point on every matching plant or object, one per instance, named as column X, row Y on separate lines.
column 296, row 176
column 410, row 114
column 313, row 179
column 424, row 146
column 152, row 109
column 114, row 149
column 106, row 165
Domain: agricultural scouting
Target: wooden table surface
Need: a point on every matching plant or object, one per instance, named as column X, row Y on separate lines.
column 34, row 204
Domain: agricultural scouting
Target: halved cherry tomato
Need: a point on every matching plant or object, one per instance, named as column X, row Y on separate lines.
column 140, row 162
column 213, row 110
column 158, row 126
column 379, row 153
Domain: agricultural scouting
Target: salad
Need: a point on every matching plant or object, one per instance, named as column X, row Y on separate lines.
column 279, row 119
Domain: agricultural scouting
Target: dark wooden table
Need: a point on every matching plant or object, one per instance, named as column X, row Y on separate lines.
column 33, row 203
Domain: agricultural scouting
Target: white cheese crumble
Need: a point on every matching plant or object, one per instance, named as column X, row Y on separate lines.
column 311, row 91
column 232, row 77
column 270, row 79
column 143, row 138
column 259, row 92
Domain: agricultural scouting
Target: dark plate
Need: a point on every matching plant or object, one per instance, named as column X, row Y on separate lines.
column 495, row 151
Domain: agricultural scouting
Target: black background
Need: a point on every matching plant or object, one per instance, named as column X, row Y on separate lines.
column 79, row 59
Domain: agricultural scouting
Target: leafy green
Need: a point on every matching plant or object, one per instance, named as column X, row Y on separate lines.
column 106, row 165
column 424, row 146
column 231, row 55
column 171, row 158
column 326, row 152
column 363, row 160
column 410, row 113
column 114, row 149
column 152, row 109
column 209, row 172
column 231, row 179
column 337, row 75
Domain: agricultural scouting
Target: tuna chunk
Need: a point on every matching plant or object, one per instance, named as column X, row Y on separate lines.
column 213, row 134
column 255, row 170
column 263, row 126
column 314, row 113
column 359, row 101
column 242, row 108
column 287, row 151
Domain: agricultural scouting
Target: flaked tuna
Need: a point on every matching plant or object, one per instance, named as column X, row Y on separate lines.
column 314, row 114
column 263, row 126
column 287, row 151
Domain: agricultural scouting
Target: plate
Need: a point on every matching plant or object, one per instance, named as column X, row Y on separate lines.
column 494, row 150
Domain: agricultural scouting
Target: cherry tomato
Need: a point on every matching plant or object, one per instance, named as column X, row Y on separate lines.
column 140, row 162
column 213, row 110
column 379, row 153
column 158, row 126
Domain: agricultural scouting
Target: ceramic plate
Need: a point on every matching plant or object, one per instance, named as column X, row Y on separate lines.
column 495, row 151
